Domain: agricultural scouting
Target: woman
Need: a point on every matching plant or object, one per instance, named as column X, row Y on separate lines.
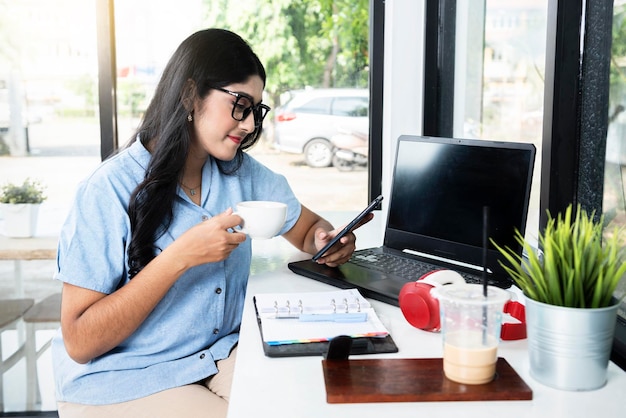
column 154, row 273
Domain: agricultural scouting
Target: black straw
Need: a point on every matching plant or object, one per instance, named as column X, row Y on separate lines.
column 485, row 238
column 485, row 243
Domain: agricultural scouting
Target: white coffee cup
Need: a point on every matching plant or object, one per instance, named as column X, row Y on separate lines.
column 261, row 219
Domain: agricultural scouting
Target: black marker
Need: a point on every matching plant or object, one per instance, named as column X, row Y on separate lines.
column 349, row 227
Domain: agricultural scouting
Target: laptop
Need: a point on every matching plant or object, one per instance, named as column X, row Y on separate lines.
column 440, row 188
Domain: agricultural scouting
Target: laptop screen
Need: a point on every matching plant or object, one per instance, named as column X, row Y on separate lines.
column 440, row 186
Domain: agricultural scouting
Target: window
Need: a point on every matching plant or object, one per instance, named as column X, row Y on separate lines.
column 305, row 46
column 614, row 199
column 57, row 71
column 320, row 106
column 49, row 76
column 499, row 63
column 350, row 106
column 483, row 75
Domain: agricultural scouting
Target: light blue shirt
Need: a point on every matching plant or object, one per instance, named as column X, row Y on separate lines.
column 197, row 322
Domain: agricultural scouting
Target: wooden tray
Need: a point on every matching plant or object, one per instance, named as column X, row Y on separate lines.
column 414, row 380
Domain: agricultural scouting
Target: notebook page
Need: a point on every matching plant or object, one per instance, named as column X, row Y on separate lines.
column 279, row 314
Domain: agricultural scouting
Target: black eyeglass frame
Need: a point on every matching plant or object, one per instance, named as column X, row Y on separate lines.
column 256, row 110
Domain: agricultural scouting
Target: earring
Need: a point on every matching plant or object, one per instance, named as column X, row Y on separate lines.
column 189, row 118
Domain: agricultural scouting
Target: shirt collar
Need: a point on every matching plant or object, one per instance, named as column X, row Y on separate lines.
column 140, row 154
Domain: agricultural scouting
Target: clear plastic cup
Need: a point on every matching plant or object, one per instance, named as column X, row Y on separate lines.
column 470, row 328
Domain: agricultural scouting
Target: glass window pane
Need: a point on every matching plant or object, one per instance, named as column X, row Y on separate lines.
column 614, row 202
column 49, row 83
column 304, row 46
column 500, row 60
column 49, row 132
column 350, row 106
column 319, row 106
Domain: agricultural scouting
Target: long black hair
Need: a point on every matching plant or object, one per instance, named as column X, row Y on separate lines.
column 211, row 58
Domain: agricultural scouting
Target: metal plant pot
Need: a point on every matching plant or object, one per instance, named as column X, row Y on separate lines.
column 569, row 348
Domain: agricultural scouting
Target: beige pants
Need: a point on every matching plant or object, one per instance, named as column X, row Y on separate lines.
column 208, row 399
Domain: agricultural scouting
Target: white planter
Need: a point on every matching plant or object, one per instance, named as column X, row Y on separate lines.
column 569, row 348
column 20, row 220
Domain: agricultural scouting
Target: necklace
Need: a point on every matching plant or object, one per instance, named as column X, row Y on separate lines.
column 192, row 190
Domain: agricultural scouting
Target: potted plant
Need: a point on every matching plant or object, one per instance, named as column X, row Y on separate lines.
column 570, row 304
column 20, row 204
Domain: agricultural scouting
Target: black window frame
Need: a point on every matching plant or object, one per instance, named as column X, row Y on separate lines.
column 376, row 81
column 107, row 77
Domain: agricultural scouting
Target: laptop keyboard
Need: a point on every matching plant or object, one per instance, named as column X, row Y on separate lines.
column 409, row 269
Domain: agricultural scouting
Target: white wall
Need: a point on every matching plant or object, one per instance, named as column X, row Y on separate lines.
column 403, row 79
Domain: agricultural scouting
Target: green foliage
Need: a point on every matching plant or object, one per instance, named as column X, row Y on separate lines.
column 30, row 191
column 618, row 53
column 578, row 269
column 84, row 86
column 4, row 148
column 131, row 98
column 617, row 81
column 9, row 52
column 316, row 43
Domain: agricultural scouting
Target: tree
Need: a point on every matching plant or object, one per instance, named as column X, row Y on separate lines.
column 316, row 43
column 618, row 62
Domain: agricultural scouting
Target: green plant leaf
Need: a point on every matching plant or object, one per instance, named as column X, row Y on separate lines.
column 578, row 269
column 30, row 191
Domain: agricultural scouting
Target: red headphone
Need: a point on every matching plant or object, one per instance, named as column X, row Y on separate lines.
column 421, row 309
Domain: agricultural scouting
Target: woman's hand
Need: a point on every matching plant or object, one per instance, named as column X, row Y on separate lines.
column 343, row 249
column 210, row 241
column 312, row 232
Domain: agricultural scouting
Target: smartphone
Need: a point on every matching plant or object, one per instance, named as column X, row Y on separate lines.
column 349, row 227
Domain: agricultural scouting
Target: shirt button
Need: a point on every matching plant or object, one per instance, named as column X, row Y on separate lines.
column 216, row 331
column 218, row 290
column 201, row 356
column 204, row 217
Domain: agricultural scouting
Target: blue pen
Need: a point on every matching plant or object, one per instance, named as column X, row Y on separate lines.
column 336, row 317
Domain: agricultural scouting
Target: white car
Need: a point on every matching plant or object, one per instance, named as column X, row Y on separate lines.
column 307, row 122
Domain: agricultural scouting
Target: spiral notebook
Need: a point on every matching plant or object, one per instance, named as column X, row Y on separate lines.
column 301, row 324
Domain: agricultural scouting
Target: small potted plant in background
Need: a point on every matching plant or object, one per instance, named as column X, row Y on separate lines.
column 571, row 308
column 19, row 204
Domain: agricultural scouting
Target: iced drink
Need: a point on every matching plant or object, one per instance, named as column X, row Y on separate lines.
column 467, row 360
column 470, row 326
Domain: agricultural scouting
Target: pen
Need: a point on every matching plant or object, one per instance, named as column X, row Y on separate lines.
column 336, row 317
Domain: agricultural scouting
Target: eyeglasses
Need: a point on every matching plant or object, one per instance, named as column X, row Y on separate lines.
column 244, row 105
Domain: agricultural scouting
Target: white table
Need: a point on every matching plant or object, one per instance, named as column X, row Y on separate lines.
column 294, row 387
column 24, row 249
column 42, row 246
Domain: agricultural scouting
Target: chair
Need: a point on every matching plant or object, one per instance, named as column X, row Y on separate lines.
column 43, row 315
column 11, row 311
